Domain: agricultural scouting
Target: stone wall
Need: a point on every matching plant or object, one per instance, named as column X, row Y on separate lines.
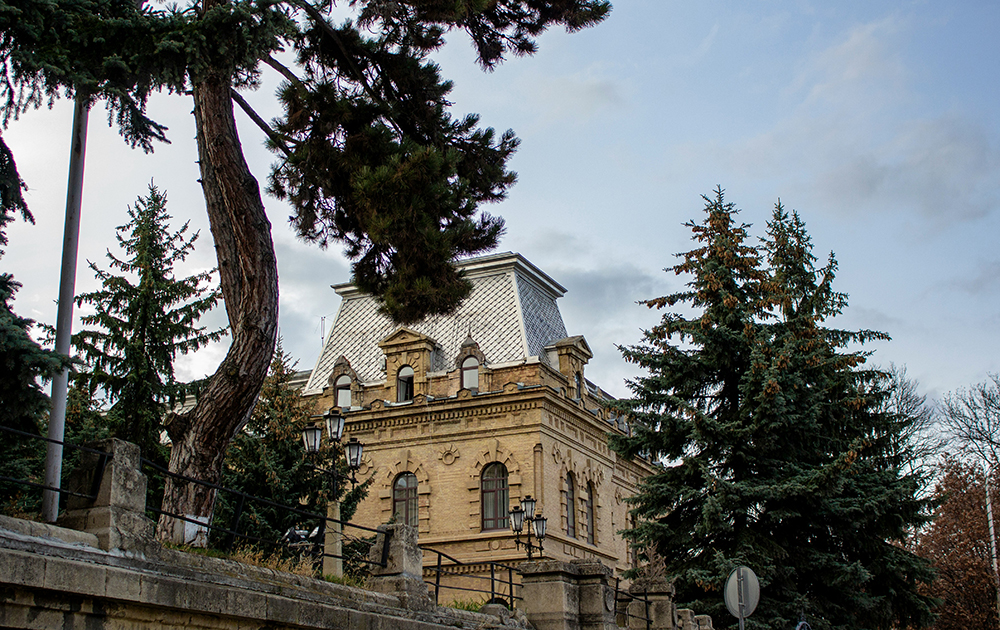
column 113, row 575
column 105, row 571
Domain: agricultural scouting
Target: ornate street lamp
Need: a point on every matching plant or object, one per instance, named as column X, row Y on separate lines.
column 526, row 513
column 352, row 451
column 311, row 436
column 334, row 424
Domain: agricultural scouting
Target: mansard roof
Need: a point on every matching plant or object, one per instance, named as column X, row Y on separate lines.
column 511, row 313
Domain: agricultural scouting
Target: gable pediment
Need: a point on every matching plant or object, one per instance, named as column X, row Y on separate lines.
column 404, row 337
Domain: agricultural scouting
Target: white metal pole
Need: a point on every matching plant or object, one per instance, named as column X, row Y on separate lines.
column 993, row 536
column 64, row 317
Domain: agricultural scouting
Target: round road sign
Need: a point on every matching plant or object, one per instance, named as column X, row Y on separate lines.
column 742, row 592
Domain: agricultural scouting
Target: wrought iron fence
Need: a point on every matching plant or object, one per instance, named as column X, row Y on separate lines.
column 501, row 579
column 311, row 543
column 625, row 612
column 102, row 462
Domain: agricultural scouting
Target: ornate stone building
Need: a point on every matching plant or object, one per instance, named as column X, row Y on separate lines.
column 462, row 416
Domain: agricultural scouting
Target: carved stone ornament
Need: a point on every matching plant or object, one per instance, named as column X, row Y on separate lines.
column 449, row 455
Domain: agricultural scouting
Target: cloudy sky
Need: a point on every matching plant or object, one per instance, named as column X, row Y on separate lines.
column 876, row 121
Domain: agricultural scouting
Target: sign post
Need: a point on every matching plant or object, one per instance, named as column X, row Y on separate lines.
column 742, row 593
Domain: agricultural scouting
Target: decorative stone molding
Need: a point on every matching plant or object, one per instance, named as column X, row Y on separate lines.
column 449, row 455
column 385, row 489
column 495, row 452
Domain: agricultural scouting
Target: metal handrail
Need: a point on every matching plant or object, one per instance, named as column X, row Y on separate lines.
column 494, row 594
column 95, row 483
column 232, row 532
column 626, row 597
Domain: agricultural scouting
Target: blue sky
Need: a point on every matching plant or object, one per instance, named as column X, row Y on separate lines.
column 876, row 121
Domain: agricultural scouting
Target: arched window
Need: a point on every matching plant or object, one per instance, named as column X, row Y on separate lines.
column 404, row 499
column 570, row 505
column 591, row 497
column 404, row 384
column 470, row 373
column 494, row 496
column 342, row 388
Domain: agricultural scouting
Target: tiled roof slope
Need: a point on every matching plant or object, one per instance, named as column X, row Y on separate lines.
column 511, row 313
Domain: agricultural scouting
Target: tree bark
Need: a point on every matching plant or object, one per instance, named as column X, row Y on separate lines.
column 249, row 276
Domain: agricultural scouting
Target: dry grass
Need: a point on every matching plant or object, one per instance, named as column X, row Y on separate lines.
column 257, row 557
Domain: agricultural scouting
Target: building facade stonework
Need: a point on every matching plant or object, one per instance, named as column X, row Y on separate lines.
column 463, row 416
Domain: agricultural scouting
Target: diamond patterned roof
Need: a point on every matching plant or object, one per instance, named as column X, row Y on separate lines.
column 511, row 313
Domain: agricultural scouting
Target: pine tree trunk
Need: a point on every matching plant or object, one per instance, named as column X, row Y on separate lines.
column 249, row 277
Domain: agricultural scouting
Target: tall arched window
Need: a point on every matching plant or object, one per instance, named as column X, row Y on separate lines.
column 342, row 388
column 404, row 499
column 470, row 373
column 570, row 505
column 404, row 384
column 494, row 496
column 591, row 497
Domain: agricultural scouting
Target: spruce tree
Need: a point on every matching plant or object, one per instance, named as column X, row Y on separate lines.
column 777, row 452
column 24, row 364
column 143, row 319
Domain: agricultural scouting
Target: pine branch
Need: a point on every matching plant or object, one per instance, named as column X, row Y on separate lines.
column 283, row 70
column 278, row 140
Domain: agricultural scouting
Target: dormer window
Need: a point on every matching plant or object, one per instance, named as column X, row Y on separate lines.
column 470, row 373
column 342, row 391
column 579, row 385
column 404, row 384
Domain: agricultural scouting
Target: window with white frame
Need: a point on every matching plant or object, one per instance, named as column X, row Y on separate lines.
column 342, row 389
column 470, row 373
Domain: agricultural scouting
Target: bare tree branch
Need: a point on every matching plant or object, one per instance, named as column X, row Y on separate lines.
column 972, row 419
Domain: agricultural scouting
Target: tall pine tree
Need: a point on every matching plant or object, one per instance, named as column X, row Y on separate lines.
column 143, row 320
column 776, row 452
column 384, row 122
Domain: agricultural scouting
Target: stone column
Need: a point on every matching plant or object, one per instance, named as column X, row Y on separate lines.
column 550, row 594
column 333, row 541
column 117, row 516
column 403, row 574
column 597, row 596
column 660, row 595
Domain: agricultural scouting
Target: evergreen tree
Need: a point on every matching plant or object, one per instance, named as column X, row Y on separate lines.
column 23, row 364
column 776, row 453
column 267, row 459
column 142, row 325
column 386, row 117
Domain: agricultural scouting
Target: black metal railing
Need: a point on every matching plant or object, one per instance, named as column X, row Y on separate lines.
column 501, row 578
column 314, row 540
column 624, row 611
column 231, row 532
column 102, row 462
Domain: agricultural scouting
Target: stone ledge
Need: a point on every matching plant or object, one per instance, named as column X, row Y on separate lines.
column 51, row 532
column 172, row 586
